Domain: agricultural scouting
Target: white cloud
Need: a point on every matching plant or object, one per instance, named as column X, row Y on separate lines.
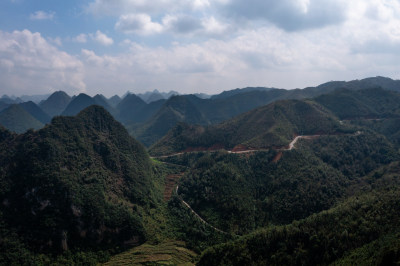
column 138, row 23
column 81, row 38
column 57, row 41
column 119, row 7
column 214, row 27
column 30, row 64
column 200, row 4
column 293, row 44
column 142, row 24
column 102, row 38
column 264, row 56
column 182, row 24
column 42, row 15
column 290, row 15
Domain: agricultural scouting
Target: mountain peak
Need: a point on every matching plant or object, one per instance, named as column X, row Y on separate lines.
column 56, row 103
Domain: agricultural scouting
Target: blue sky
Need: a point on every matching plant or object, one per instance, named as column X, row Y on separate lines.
column 112, row 46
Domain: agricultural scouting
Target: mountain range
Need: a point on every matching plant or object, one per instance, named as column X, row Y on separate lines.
column 149, row 121
column 255, row 176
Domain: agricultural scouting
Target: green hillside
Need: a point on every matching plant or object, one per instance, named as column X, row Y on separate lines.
column 274, row 125
column 36, row 112
column 367, row 103
column 239, row 193
column 363, row 230
column 375, row 108
column 17, row 119
column 79, row 184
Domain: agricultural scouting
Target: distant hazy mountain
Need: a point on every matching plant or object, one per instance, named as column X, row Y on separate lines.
column 202, row 95
column 373, row 82
column 17, row 119
column 103, row 101
column 36, row 112
column 114, row 100
column 10, row 100
column 229, row 93
column 35, row 98
column 82, row 101
column 221, row 109
column 56, row 103
column 144, row 113
column 77, row 104
column 176, row 109
column 193, row 110
column 155, row 95
column 129, row 108
column 3, row 105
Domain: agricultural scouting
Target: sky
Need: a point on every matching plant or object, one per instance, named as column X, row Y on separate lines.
column 115, row 46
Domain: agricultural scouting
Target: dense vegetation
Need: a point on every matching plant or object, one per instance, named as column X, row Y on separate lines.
column 240, row 192
column 345, row 230
column 367, row 103
column 273, row 125
column 81, row 183
column 81, row 189
column 18, row 120
column 362, row 230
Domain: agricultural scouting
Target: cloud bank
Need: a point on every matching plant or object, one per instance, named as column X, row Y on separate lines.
column 209, row 46
column 28, row 62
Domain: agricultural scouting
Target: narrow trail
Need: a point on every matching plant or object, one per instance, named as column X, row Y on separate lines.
column 197, row 215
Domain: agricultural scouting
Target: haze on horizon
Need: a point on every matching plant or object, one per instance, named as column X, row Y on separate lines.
column 114, row 46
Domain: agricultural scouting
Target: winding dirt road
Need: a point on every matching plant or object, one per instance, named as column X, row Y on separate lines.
column 197, row 215
column 291, row 146
column 288, row 148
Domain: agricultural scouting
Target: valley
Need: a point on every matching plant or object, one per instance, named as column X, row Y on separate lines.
column 250, row 176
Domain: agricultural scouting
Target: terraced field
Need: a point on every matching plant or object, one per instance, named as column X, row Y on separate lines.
column 167, row 253
column 170, row 183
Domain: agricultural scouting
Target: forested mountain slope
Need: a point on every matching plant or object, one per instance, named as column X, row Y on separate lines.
column 241, row 192
column 80, row 183
column 18, row 120
column 274, row 125
column 372, row 103
column 361, row 230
